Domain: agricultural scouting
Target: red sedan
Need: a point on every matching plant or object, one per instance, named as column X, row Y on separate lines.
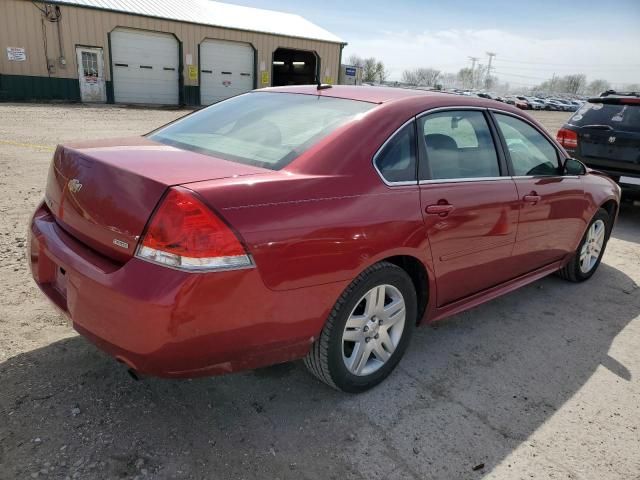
column 301, row 222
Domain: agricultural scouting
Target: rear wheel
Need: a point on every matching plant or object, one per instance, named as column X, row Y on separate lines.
column 589, row 253
column 367, row 331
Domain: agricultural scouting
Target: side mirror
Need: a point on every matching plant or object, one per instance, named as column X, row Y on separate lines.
column 574, row 167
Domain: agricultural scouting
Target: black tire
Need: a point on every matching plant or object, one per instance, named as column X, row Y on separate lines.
column 325, row 360
column 571, row 271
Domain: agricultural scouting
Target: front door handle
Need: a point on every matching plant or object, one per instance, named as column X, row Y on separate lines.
column 442, row 210
column 532, row 198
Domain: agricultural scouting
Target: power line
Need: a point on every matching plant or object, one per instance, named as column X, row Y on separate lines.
column 567, row 67
column 564, row 64
column 520, row 76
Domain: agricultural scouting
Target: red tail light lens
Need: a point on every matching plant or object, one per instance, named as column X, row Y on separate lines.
column 567, row 138
column 185, row 234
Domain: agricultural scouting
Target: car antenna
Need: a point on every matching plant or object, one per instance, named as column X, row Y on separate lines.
column 322, row 86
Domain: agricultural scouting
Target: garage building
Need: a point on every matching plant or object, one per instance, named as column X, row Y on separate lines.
column 164, row 52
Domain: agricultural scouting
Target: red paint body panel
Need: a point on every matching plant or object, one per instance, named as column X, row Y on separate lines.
column 168, row 323
column 132, row 175
column 548, row 228
column 310, row 228
column 472, row 245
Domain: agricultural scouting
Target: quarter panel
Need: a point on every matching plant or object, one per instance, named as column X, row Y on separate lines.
column 302, row 243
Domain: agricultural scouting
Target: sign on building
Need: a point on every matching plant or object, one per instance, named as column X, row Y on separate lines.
column 193, row 72
column 16, row 54
column 350, row 75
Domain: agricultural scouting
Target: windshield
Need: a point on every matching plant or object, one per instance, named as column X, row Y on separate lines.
column 624, row 118
column 264, row 129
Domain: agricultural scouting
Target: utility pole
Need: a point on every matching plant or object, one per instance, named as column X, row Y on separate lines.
column 486, row 78
column 473, row 69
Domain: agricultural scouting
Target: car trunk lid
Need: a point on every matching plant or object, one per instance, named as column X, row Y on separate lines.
column 103, row 193
column 610, row 145
column 608, row 133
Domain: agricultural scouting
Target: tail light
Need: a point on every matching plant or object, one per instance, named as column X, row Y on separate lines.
column 185, row 234
column 567, row 138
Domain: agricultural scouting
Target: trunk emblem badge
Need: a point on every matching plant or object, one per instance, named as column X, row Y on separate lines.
column 120, row 243
column 74, row 185
column 612, row 139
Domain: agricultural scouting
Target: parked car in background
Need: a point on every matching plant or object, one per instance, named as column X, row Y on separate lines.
column 488, row 95
column 605, row 134
column 516, row 102
column 566, row 105
column 532, row 103
column 321, row 223
column 553, row 105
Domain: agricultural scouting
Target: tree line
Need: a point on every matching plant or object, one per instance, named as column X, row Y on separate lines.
column 374, row 71
column 577, row 84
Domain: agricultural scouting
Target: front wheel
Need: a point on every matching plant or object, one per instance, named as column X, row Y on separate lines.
column 367, row 331
column 589, row 253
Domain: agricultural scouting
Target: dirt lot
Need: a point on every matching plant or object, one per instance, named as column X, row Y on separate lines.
column 542, row 383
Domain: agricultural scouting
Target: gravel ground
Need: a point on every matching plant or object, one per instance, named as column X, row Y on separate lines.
column 541, row 383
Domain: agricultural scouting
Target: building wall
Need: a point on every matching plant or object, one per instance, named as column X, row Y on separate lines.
column 21, row 26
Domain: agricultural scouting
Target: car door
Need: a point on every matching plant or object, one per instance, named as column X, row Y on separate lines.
column 469, row 202
column 551, row 204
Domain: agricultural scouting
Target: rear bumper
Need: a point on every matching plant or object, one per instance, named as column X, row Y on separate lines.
column 612, row 168
column 164, row 322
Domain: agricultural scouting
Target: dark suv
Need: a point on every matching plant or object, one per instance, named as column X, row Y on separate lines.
column 605, row 134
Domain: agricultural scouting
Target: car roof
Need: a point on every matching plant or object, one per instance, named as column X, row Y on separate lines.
column 361, row 92
column 406, row 100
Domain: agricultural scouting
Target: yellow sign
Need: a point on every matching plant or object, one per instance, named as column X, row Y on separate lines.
column 265, row 77
column 193, row 72
column 328, row 80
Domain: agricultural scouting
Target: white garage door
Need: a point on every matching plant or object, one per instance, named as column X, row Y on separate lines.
column 226, row 69
column 145, row 67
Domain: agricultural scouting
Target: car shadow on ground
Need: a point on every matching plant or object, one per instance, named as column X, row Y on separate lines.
column 469, row 391
column 628, row 225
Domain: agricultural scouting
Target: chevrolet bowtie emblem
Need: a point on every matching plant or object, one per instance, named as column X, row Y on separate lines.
column 74, row 185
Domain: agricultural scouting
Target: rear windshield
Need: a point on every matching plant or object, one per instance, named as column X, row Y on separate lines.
column 624, row 118
column 263, row 129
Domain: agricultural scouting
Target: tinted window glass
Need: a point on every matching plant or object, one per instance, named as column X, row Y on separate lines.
column 619, row 117
column 397, row 160
column 531, row 153
column 458, row 145
column 264, row 129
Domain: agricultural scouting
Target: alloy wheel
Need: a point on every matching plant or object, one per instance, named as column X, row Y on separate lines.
column 373, row 330
column 592, row 246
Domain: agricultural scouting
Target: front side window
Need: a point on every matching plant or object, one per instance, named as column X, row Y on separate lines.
column 458, row 144
column 396, row 162
column 531, row 153
column 267, row 130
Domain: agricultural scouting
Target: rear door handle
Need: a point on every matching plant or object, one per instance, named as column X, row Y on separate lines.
column 442, row 210
column 532, row 198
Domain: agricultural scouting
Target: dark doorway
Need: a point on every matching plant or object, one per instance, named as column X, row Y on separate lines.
column 293, row 67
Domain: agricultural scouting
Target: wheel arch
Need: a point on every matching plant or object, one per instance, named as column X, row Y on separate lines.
column 611, row 206
column 419, row 275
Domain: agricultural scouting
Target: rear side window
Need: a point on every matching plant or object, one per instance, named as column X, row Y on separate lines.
column 458, row 144
column 619, row 117
column 396, row 162
column 268, row 130
column 531, row 153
